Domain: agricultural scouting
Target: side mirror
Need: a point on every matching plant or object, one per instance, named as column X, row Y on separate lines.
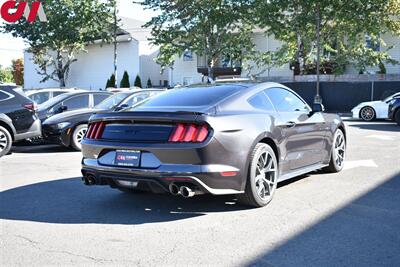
column 62, row 109
column 317, row 107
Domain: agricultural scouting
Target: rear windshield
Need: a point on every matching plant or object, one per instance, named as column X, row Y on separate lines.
column 189, row 97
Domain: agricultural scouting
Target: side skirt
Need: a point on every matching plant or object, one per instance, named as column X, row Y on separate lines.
column 301, row 171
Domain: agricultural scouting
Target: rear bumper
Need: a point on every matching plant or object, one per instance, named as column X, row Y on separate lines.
column 206, row 165
column 209, row 182
column 34, row 131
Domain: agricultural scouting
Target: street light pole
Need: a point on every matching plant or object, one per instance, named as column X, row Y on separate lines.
column 318, row 98
column 115, row 45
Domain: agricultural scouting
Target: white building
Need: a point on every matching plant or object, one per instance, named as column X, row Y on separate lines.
column 185, row 69
column 93, row 68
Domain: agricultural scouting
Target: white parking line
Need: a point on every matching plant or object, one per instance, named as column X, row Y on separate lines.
column 351, row 164
column 382, row 137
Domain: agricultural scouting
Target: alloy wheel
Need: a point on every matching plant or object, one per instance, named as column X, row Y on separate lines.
column 367, row 113
column 80, row 134
column 265, row 176
column 339, row 149
column 3, row 141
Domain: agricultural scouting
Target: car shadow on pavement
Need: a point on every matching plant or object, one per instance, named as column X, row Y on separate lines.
column 32, row 149
column 365, row 232
column 386, row 126
column 68, row 201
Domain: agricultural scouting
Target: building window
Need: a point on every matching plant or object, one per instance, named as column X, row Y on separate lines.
column 187, row 56
column 369, row 43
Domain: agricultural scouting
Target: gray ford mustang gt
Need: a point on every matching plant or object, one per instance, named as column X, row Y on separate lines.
column 222, row 139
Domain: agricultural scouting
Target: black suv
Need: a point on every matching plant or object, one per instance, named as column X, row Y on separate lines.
column 18, row 119
column 394, row 110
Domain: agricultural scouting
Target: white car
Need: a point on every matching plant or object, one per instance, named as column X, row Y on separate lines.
column 369, row 111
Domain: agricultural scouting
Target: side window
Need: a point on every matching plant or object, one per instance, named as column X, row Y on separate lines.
column 136, row 98
column 284, row 100
column 260, row 101
column 99, row 98
column 40, row 98
column 77, row 102
column 4, row 96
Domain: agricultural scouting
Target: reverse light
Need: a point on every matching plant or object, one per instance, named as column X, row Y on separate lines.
column 189, row 133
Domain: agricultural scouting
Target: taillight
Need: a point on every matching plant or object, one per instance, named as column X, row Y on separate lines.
column 189, row 133
column 95, row 130
column 31, row 106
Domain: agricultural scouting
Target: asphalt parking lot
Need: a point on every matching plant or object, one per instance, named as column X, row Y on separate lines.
column 348, row 219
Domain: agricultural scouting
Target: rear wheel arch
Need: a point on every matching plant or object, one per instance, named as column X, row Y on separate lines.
column 263, row 138
column 8, row 128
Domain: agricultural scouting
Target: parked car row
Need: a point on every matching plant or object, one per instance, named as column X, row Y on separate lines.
column 368, row 111
column 62, row 119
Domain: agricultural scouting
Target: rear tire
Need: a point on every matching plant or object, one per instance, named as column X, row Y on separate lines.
column 5, row 141
column 397, row 117
column 338, row 153
column 262, row 178
column 77, row 136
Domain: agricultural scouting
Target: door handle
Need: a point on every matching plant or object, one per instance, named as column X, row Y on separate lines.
column 290, row 124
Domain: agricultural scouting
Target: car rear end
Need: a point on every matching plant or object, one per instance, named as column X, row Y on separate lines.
column 164, row 148
column 22, row 112
column 181, row 146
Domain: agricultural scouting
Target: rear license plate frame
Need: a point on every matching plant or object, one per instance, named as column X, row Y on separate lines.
column 127, row 158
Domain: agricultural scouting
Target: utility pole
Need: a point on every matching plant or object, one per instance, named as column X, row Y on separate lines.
column 115, row 44
column 318, row 98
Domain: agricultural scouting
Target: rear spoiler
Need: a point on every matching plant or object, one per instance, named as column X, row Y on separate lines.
column 149, row 116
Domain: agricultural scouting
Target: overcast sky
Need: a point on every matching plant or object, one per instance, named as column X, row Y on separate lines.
column 11, row 48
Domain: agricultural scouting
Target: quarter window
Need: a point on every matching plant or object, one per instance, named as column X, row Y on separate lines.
column 260, row 101
column 98, row 98
column 285, row 101
column 4, row 96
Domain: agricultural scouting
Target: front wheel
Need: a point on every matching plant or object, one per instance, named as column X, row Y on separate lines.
column 77, row 136
column 338, row 154
column 367, row 114
column 5, row 141
column 262, row 177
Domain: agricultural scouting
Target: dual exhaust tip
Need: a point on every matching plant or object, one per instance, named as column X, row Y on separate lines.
column 89, row 179
column 185, row 191
column 175, row 190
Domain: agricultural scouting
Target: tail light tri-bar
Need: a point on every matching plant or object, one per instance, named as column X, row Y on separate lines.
column 95, row 130
column 189, row 133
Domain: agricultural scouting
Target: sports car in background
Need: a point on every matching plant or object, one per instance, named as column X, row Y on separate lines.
column 222, row 139
column 369, row 111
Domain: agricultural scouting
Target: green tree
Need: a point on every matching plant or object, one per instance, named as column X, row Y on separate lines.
column 111, row 82
column 316, row 32
column 72, row 24
column 138, row 81
column 149, row 84
column 18, row 71
column 212, row 29
column 125, row 80
column 6, row 75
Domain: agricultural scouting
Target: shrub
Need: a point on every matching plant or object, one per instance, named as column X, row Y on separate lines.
column 149, row 84
column 111, row 82
column 125, row 81
column 138, row 81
